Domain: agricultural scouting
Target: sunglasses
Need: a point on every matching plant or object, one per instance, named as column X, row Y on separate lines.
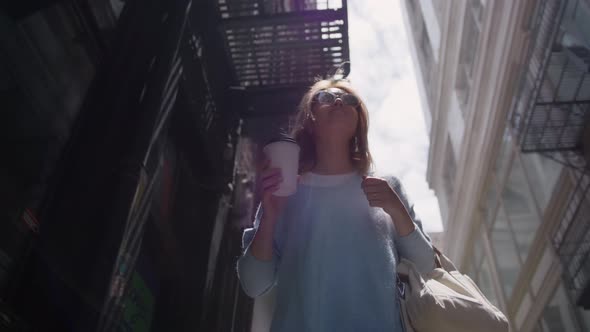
column 329, row 98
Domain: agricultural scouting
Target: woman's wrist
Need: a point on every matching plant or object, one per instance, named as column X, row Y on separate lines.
column 269, row 217
column 261, row 247
column 404, row 224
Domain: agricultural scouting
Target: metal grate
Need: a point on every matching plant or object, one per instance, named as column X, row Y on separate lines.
column 195, row 79
column 243, row 8
column 284, row 43
column 555, row 127
column 552, row 108
column 572, row 239
column 565, row 80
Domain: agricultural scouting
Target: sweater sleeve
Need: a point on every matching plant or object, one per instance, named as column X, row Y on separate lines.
column 256, row 276
column 416, row 246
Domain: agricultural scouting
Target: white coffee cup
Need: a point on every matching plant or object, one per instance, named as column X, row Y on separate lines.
column 284, row 154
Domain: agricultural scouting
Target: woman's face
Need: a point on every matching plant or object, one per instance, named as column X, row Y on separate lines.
column 335, row 119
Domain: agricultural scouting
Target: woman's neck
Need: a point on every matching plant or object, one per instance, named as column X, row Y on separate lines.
column 332, row 158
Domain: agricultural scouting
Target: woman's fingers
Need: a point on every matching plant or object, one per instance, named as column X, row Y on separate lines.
column 272, row 185
column 372, row 183
column 373, row 197
column 370, row 190
column 273, row 188
column 375, row 194
column 270, row 177
column 272, row 180
column 271, row 172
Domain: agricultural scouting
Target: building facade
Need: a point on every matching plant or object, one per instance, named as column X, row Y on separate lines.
column 505, row 91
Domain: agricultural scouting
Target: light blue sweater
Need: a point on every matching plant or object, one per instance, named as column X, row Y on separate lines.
column 334, row 261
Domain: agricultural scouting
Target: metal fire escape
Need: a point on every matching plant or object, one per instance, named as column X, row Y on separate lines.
column 283, row 43
column 277, row 49
column 550, row 115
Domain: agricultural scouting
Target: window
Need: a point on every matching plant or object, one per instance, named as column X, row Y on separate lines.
column 425, row 50
column 450, row 170
column 520, row 208
column 470, row 271
column 469, row 43
column 425, row 45
column 432, row 24
column 485, row 282
column 543, row 174
column 439, row 7
column 419, row 31
column 559, row 314
column 479, row 269
column 504, row 157
column 475, row 256
column 490, row 202
column 477, row 9
column 412, row 6
column 505, row 251
column 478, row 248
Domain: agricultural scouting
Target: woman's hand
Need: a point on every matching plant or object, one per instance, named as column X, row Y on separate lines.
column 380, row 194
column 269, row 182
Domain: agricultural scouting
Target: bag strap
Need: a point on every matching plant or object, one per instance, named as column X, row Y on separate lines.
column 437, row 255
column 409, row 274
column 443, row 261
column 440, row 261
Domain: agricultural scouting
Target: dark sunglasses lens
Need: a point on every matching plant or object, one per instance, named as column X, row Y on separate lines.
column 325, row 97
column 351, row 100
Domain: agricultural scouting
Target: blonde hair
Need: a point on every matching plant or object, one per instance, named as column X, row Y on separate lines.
column 302, row 130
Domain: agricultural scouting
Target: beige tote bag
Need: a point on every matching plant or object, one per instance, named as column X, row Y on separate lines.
column 444, row 300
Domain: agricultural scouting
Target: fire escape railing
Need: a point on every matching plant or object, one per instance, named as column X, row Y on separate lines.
column 550, row 115
column 283, row 43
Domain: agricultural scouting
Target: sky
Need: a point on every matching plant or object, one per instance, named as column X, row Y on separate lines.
column 383, row 73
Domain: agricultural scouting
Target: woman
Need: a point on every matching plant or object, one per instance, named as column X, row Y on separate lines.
column 331, row 248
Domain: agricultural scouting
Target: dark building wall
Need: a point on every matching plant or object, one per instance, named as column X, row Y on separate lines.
column 158, row 115
column 48, row 57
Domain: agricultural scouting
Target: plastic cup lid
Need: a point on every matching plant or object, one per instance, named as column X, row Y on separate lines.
column 282, row 137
